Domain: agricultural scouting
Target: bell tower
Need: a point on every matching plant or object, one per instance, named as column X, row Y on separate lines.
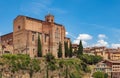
column 49, row 18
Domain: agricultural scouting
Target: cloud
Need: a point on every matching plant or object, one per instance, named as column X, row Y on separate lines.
column 102, row 36
column 101, row 43
column 40, row 6
column 84, row 38
column 115, row 45
column 66, row 33
column 70, row 34
column 78, row 41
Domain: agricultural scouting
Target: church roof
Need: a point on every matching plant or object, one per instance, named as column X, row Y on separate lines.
column 38, row 19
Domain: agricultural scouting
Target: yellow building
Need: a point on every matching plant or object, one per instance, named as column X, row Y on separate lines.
column 106, row 53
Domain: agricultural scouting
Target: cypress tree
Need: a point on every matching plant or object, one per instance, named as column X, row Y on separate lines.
column 39, row 47
column 70, row 50
column 80, row 48
column 66, row 49
column 60, row 51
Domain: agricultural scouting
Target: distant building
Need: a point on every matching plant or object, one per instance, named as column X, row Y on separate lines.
column 68, row 41
column 88, row 51
column 106, row 53
column 7, row 43
column 24, row 38
column 113, row 54
column 103, row 67
column 112, row 68
column 74, row 47
column 115, row 66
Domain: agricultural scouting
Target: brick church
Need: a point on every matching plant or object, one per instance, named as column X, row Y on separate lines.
column 24, row 38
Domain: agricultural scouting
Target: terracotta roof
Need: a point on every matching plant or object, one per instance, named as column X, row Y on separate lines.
column 6, row 34
column 38, row 19
column 74, row 45
column 111, row 61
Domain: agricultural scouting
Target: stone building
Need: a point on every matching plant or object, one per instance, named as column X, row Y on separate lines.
column 74, row 47
column 106, row 53
column 115, row 66
column 25, row 35
column 6, row 43
column 103, row 67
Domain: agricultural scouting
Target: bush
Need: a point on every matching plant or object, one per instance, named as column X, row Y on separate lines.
column 100, row 75
column 90, row 59
column 49, row 57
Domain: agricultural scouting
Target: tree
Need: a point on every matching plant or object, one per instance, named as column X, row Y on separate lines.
column 70, row 50
column 50, row 63
column 60, row 50
column 49, row 57
column 66, row 48
column 98, row 74
column 33, row 67
column 39, row 47
column 90, row 59
column 80, row 49
column 105, row 75
column 20, row 62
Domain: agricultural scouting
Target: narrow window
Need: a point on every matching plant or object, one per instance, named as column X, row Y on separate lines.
column 19, row 27
column 45, row 38
column 32, row 37
column 33, row 51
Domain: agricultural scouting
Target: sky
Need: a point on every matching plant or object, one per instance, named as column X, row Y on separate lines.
column 95, row 22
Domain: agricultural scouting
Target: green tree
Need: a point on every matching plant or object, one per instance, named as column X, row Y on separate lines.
column 105, row 75
column 49, row 57
column 90, row 59
column 33, row 67
column 22, row 62
column 66, row 49
column 66, row 72
column 60, row 50
column 50, row 63
column 39, row 47
column 98, row 74
column 80, row 49
column 70, row 50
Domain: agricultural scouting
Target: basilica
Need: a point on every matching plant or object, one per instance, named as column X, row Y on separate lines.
column 24, row 38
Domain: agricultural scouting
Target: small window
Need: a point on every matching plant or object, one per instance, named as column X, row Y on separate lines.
column 19, row 27
column 32, row 37
column 45, row 38
column 52, row 20
column 33, row 51
column 47, row 20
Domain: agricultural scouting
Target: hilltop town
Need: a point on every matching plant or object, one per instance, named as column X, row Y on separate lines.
column 35, row 39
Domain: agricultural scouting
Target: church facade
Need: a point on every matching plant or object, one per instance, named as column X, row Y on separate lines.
column 24, row 38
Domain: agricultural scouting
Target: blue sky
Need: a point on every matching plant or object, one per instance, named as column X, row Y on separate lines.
column 95, row 22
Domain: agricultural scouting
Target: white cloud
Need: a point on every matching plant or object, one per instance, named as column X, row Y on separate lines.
column 70, row 34
column 102, row 36
column 66, row 33
column 101, row 43
column 84, row 38
column 115, row 45
column 78, row 41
